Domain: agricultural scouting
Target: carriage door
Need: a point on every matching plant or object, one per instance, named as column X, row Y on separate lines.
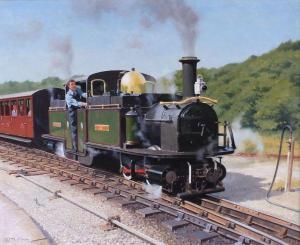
column 23, row 124
column 13, row 126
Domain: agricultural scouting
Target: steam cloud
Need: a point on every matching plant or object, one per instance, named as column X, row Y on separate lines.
column 154, row 191
column 158, row 12
column 165, row 85
column 59, row 149
column 242, row 135
column 63, row 57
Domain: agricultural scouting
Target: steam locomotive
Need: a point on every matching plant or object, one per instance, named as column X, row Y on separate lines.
column 171, row 140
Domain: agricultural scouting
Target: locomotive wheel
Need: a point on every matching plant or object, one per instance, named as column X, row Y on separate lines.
column 223, row 171
column 127, row 176
column 216, row 172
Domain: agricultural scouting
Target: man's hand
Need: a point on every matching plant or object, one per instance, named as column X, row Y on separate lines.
column 83, row 104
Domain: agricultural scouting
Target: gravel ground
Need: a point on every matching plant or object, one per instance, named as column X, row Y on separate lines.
column 248, row 180
column 246, row 183
column 67, row 224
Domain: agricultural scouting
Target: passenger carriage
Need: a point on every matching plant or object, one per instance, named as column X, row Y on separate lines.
column 24, row 116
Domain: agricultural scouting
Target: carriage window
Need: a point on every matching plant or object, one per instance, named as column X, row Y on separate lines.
column 28, row 107
column 1, row 108
column 21, row 107
column 14, row 108
column 6, row 108
column 98, row 87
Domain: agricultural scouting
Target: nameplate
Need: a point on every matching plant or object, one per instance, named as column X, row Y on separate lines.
column 56, row 124
column 102, row 127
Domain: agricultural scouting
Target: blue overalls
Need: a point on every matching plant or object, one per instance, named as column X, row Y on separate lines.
column 73, row 103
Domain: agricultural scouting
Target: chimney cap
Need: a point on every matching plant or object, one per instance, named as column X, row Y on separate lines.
column 187, row 59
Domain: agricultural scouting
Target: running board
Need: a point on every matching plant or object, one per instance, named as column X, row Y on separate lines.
column 16, row 138
column 55, row 138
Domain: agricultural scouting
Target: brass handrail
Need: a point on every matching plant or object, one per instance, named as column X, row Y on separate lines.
column 202, row 99
column 104, row 106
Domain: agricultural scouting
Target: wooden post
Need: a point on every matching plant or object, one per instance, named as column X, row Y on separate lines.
column 290, row 159
column 225, row 133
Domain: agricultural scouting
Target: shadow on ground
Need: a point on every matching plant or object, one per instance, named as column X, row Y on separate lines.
column 242, row 187
column 238, row 187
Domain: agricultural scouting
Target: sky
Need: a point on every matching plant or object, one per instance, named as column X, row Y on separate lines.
column 62, row 38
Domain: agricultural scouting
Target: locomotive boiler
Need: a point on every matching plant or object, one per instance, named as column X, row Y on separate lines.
column 175, row 141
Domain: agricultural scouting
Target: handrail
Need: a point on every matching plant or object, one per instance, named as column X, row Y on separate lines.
column 56, row 108
column 102, row 106
column 202, row 99
column 231, row 135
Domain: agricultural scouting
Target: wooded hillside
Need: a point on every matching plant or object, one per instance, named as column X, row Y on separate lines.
column 264, row 90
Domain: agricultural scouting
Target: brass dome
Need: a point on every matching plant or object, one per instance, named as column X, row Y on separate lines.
column 133, row 82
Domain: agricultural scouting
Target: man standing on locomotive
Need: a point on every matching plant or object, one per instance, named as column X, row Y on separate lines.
column 73, row 103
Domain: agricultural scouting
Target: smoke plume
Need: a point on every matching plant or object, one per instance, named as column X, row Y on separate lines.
column 94, row 9
column 134, row 43
column 63, row 54
column 184, row 18
column 29, row 31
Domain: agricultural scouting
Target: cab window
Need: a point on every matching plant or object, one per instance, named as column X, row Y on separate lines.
column 98, row 87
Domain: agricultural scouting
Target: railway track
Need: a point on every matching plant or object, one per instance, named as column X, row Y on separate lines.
column 220, row 209
column 214, row 220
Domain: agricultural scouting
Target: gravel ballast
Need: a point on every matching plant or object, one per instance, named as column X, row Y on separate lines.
column 246, row 183
column 66, row 223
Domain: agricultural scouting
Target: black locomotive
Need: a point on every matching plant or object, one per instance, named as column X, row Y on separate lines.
column 171, row 140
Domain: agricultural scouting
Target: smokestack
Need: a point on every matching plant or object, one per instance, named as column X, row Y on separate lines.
column 189, row 68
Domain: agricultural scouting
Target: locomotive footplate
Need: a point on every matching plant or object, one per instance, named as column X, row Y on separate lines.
column 154, row 153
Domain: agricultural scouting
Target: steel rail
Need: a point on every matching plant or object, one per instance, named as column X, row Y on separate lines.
column 280, row 228
column 221, row 228
column 92, row 181
column 113, row 220
column 228, row 225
